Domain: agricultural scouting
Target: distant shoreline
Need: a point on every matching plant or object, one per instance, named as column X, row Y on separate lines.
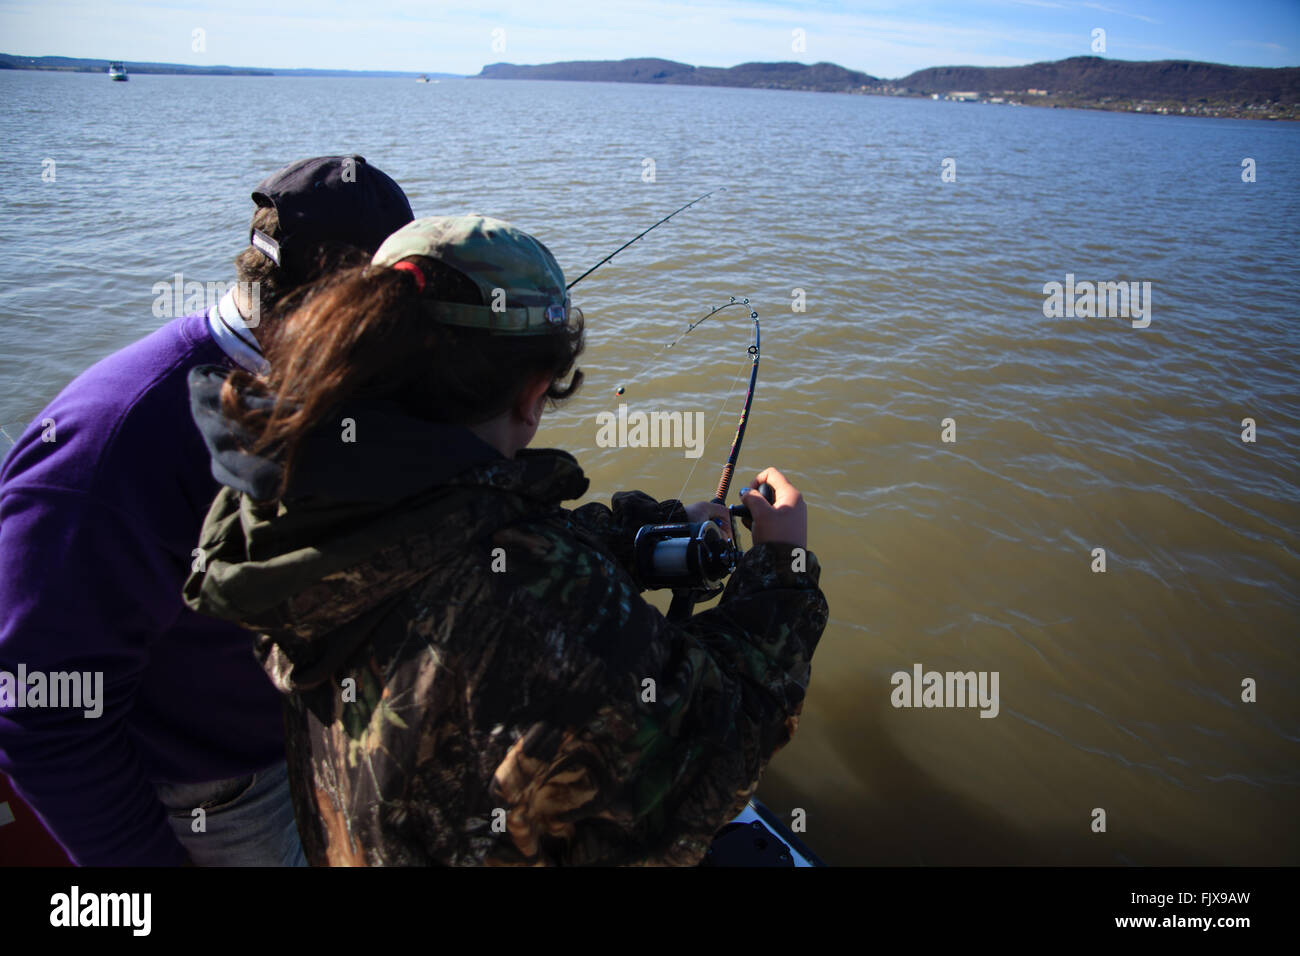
column 1165, row 87
column 68, row 64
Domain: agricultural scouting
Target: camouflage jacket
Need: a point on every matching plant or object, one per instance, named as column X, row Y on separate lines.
column 473, row 677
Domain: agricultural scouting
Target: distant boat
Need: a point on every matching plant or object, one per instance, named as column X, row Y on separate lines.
column 117, row 71
column 422, row 79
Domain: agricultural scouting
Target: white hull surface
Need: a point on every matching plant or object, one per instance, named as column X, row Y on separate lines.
column 758, row 838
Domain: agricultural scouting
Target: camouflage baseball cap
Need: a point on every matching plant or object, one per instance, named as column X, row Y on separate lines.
column 518, row 277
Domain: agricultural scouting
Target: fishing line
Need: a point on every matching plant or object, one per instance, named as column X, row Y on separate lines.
column 712, row 428
column 659, row 357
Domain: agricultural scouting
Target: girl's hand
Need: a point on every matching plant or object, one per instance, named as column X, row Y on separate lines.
column 707, row 511
column 786, row 521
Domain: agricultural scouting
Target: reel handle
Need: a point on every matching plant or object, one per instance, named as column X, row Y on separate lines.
column 742, row 511
column 685, row 598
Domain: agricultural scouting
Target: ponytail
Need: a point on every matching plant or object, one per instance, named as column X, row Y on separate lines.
column 366, row 334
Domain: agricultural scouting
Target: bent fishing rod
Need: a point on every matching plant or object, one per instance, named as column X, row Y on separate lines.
column 694, row 558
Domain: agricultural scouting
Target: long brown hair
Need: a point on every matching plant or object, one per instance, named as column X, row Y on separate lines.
column 364, row 334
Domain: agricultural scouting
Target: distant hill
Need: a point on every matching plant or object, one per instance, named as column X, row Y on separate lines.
column 68, row 64
column 824, row 77
column 1092, row 77
column 1086, row 82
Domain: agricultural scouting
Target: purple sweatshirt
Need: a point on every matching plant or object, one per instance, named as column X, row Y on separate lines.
column 97, row 529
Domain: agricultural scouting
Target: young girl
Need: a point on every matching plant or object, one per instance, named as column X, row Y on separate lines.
column 471, row 673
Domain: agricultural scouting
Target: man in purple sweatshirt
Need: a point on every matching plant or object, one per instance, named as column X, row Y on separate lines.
column 140, row 732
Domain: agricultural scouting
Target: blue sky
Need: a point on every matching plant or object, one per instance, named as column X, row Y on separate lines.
column 881, row 37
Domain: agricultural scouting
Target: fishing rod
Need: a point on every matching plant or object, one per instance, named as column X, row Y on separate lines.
column 694, row 558
column 635, row 238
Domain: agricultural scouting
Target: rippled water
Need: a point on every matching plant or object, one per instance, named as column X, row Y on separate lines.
column 1120, row 690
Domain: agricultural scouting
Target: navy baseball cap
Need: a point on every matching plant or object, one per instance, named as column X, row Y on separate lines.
column 325, row 202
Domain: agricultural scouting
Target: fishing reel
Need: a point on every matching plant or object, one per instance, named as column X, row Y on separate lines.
column 693, row 558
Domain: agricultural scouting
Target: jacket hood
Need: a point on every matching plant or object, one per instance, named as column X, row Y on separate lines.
column 360, row 524
column 389, row 455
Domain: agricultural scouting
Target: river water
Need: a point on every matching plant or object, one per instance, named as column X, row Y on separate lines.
column 922, row 299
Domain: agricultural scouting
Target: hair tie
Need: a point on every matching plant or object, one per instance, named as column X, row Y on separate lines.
column 414, row 270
